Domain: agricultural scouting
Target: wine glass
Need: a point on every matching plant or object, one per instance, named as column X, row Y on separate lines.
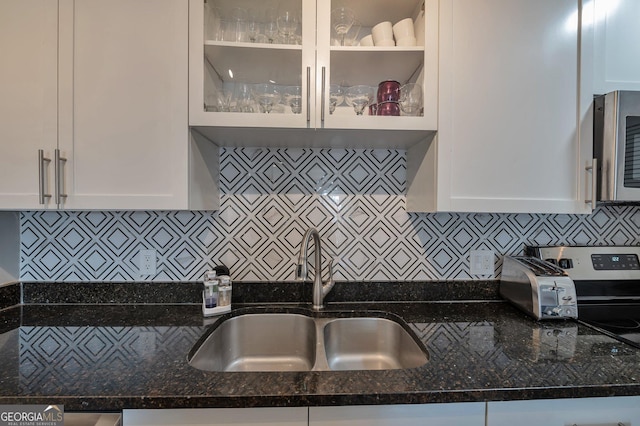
column 288, row 21
column 411, row 98
column 293, row 97
column 244, row 98
column 336, row 97
column 253, row 24
column 342, row 19
column 359, row 97
column 266, row 95
column 271, row 24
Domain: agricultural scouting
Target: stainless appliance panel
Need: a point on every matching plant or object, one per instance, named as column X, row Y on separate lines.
column 617, row 145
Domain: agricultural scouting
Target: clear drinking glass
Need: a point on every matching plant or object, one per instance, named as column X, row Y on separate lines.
column 266, row 95
column 244, row 97
column 271, row 24
column 237, row 25
column 342, row 19
column 288, row 21
column 411, row 99
column 253, row 24
column 359, row 97
column 293, row 97
column 352, row 37
column 336, row 97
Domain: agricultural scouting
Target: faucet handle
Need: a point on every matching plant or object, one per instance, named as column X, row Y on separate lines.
column 331, row 268
column 326, row 287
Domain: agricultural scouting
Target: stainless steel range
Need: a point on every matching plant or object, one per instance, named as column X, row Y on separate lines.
column 607, row 283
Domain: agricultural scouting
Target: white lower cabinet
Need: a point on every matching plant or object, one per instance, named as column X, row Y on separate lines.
column 269, row 416
column 614, row 411
column 453, row 414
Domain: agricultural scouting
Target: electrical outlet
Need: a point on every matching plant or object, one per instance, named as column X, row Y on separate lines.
column 481, row 262
column 147, row 262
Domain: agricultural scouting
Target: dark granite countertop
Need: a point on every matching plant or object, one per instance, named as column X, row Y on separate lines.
column 112, row 357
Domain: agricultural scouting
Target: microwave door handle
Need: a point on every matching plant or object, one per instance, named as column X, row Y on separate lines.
column 593, row 168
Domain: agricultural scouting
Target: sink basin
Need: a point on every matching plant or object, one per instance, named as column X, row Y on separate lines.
column 305, row 342
column 370, row 344
column 259, row 342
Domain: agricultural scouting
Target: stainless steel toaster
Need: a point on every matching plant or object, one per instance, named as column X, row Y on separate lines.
column 539, row 288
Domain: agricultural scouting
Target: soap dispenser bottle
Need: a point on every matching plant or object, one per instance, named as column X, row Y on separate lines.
column 211, row 300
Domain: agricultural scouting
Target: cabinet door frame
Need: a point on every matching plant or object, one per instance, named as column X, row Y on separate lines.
column 31, row 57
column 267, row 416
column 573, row 411
column 449, row 414
column 433, row 164
column 161, row 149
column 306, row 51
column 608, row 34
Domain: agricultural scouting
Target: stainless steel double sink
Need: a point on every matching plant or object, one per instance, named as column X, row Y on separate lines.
column 304, row 341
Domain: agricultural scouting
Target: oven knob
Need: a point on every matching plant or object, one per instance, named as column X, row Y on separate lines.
column 557, row 310
column 565, row 263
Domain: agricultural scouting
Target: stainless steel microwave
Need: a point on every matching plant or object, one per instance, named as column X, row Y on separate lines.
column 616, row 145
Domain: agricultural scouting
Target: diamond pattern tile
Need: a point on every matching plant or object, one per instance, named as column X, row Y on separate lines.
column 270, row 196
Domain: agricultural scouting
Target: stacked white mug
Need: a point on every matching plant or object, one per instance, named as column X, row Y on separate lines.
column 382, row 34
column 404, row 33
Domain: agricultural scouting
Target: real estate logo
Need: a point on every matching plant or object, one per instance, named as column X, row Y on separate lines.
column 31, row 415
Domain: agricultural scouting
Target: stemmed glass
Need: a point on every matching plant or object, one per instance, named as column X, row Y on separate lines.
column 293, row 97
column 288, row 21
column 266, row 95
column 253, row 24
column 342, row 19
column 243, row 97
column 359, row 97
column 411, row 98
column 271, row 24
column 336, row 97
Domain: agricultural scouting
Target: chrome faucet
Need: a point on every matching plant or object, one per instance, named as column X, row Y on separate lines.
column 320, row 289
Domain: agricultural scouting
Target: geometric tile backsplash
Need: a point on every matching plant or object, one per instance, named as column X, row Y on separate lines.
column 270, row 196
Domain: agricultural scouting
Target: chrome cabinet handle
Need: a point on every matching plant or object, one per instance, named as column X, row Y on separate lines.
column 612, row 424
column 59, row 171
column 308, row 94
column 324, row 74
column 593, row 168
column 42, row 195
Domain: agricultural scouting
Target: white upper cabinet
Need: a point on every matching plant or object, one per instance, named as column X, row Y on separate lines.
column 514, row 125
column 124, row 95
column 225, row 67
column 28, row 102
column 95, row 107
column 617, row 50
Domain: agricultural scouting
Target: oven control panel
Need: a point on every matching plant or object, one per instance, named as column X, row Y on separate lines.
column 615, row 262
column 593, row 262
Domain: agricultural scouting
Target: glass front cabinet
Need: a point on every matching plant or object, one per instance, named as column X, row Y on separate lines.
column 359, row 72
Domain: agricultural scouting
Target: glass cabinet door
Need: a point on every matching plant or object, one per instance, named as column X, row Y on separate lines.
column 297, row 64
column 377, row 64
column 254, row 64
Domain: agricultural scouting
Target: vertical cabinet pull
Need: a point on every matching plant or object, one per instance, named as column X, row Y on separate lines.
column 324, row 73
column 308, row 94
column 42, row 177
column 59, row 171
column 593, row 168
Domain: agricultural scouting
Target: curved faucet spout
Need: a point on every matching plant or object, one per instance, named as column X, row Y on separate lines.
column 320, row 290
